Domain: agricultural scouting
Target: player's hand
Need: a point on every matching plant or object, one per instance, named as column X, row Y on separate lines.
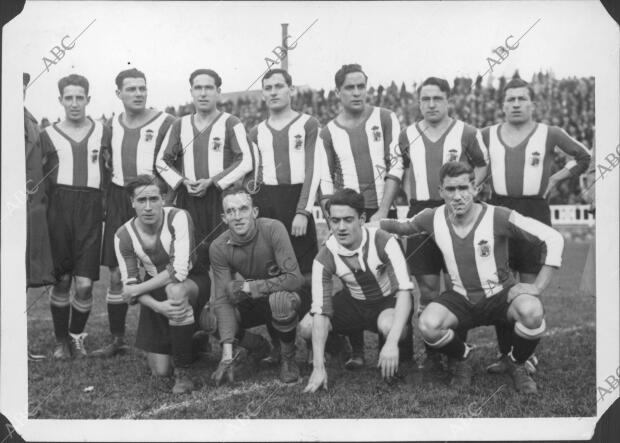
column 235, row 292
column 129, row 296
column 189, row 185
column 171, row 309
column 201, row 186
column 317, row 379
column 225, row 368
column 299, row 226
column 522, row 288
column 550, row 187
column 388, row 360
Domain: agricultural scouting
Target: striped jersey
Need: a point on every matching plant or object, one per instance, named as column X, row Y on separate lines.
column 460, row 142
column 362, row 158
column 172, row 251
column 375, row 270
column 220, row 151
column 478, row 262
column 524, row 170
column 134, row 149
column 77, row 163
column 287, row 157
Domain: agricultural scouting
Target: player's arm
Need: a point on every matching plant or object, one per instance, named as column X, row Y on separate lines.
column 50, row 160
column 169, row 154
column 321, row 311
column 290, row 279
column 477, row 154
column 312, row 177
column 222, row 308
column 328, row 158
column 394, row 168
column 558, row 137
column 239, row 144
column 421, row 222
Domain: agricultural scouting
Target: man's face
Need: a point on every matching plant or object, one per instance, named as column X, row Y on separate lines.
column 518, row 106
column 204, row 93
column 74, row 100
column 433, row 103
column 277, row 93
column 346, row 225
column 133, row 94
column 239, row 214
column 352, row 93
column 458, row 193
column 148, row 203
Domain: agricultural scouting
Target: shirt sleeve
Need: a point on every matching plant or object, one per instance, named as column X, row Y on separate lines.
column 105, row 157
column 422, row 222
column 313, row 169
column 163, row 131
column 50, row 159
column 126, row 257
column 396, row 259
column 182, row 245
column 572, row 147
column 322, row 285
column 395, row 165
column 239, row 144
column 222, row 308
column 325, row 152
column 169, row 155
column 533, row 231
column 475, row 149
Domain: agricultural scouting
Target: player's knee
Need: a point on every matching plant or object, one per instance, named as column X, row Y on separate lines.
column 64, row 283
column 305, row 327
column 208, row 321
column 116, row 283
column 531, row 313
column 83, row 289
column 284, row 307
column 429, row 325
column 176, row 292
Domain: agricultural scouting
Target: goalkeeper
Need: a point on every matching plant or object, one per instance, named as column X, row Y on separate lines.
column 260, row 251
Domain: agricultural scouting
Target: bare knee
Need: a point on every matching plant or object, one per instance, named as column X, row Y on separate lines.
column 115, row 280
column 430, row 326
column 83, row 288
column 176, row 292
column 64, row 284
column 160, row 365
column 530, row 312
column 305, row 327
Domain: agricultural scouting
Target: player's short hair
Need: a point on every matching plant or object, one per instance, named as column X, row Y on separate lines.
column 347, row 197
column 73, row 80
column 348, row 69
column 210, row 72
column 145, row 180
column 128, row 73
column 287, row 77
column 455, row 169
column 442, row 84
column 234, row 190
column 518, row 83
column 26, row 78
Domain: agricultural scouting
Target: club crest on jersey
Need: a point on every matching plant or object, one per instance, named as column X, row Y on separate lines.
column 217, row 144
column 376, row 133
column 94, row 154
column 299, row 142
column 148, row 135
column 535, row 159
column 484, row 249
column 453, row 155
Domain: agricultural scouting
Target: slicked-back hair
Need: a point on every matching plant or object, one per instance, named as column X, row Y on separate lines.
column 347, row 69
column 287, row 77
column 145, row 180
column 347, row 197
column 442, row 84
column 518, row 83
column 455, row 169
column 234, row 190
column 128, row 73
column 210, row 72
column 73, row 80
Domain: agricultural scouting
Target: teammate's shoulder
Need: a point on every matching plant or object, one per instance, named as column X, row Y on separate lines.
column 272, row 224
column 220, row 242
column 468, row 129
column 123, row 231
column 311, row 122
column 230, row 119
column 325, row 256
column 499, row 212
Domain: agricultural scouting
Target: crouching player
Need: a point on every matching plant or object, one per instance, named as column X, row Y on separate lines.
column 377, row 287
column 161, row 239
column 473, row 238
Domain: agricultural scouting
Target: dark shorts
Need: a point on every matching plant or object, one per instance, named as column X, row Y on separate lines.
column 352, row 315
column 488, row 311
column 75, row 221
column 256, row 312
column 524, row 256
column 280, row 202
column 206, row 213
column 118, row 211
column 153, row 334
column 423, row 255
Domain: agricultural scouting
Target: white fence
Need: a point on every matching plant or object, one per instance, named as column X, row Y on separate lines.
column 560, row 215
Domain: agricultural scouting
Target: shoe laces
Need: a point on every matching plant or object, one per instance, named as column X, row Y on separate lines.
column 78, row 340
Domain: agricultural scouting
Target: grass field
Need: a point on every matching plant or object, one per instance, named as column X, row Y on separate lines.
column 122, row 387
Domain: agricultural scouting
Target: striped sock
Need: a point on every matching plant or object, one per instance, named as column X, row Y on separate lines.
column 450, row 344
column 117, row 311
column 80, row 310
column 525, row 341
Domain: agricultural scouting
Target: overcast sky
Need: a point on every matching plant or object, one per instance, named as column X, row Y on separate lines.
column 398, row 41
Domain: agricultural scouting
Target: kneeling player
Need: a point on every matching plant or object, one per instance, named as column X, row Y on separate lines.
column 161, row 239
column 377, row 294
column 473, row 238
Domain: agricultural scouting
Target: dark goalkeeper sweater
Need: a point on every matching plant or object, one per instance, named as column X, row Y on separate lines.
column 266, row 257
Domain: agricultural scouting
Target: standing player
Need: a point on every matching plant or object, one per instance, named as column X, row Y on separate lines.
column 360, row 145
column 161, row 239
column 203, row 154
column 261, row 252
column 377, row 287
column 426, row 146
column 473, row 238
column 521, row 158
column 75, row 214
column 288, row 175
column 137, row 134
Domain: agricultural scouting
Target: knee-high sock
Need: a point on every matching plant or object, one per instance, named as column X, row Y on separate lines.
column 525, row 340
column 357, row 342
column 181, row 331
column 405, row 346
column 249, row 340
column 80, row 310
column 504, row 337
column 450, row 344
column 117, row 311
column 59, row 305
